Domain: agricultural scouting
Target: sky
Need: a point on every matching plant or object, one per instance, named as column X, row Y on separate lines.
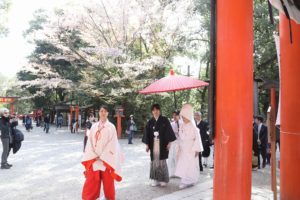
column 14, row 49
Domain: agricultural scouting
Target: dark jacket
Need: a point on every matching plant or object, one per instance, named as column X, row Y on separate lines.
column 47, row 120
column 263, row 135
column 129, row 124
column 166, row 135
column 254, row 142
column 203, row 126
column 18, row 137
column 277, row 133
column 5, row 127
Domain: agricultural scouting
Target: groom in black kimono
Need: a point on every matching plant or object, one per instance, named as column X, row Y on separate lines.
column 158, row 136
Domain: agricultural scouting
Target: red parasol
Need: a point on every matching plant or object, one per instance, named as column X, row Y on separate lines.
column 173, row 83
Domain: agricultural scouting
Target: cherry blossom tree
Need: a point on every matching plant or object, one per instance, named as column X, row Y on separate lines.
column 106, row 51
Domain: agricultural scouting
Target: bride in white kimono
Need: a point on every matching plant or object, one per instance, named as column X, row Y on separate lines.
column 190, row 145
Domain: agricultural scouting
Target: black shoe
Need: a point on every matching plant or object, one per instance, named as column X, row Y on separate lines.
column 201, row 168
column 10, row 165
column 254, row 168
column 6, row 166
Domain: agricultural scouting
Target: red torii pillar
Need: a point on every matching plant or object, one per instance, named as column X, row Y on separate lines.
column 77, row 117
column 71, row 117
column 290, row 111
column 119, row 115
column 234, row 94
column 12, row 109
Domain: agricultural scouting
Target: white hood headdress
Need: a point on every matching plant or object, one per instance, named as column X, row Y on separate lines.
column 187, row 111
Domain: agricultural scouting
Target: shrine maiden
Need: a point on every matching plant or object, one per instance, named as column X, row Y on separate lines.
column 102, row 159
column 190, row 146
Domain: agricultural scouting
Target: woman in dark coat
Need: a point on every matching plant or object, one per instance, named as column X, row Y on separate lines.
column 158, row 137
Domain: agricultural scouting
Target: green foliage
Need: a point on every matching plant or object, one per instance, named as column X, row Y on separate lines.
column 40, row 18
column 265, row 56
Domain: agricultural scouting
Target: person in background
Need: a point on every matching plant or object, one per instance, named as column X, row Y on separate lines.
column 6, row 137
column 203, row 128
column 28, row 123
column 172, row 160
column 60, row 120
column 37, row 121
column 157, row 137
column 92, row 118
column 190, row 146
column 130, row 129
column 47, row 123
column 255, row 151
column 24, row 119
column 89, row 123
column 40, row 120
column 262, row 140
column 278, row 137
column 74, row 125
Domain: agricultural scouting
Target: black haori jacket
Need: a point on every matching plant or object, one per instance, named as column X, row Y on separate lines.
column 166, row 135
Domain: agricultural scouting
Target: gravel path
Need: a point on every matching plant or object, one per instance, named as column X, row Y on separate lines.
column 48, row 168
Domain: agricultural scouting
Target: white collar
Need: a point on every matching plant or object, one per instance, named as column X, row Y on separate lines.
column 103, row 122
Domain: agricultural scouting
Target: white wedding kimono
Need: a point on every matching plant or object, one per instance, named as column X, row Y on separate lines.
column 187, row 163
column 105, row 151
column 172, row 159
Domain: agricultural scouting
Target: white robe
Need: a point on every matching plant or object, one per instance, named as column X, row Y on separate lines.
column 172, row 159
column 187, row 163
column 106, row 149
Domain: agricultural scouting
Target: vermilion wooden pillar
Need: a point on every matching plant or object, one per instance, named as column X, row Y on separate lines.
column 77, row 116
column 119, row 126
column 290, row 111
column 71, row 117
column 234, row 97
column 12, row 109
